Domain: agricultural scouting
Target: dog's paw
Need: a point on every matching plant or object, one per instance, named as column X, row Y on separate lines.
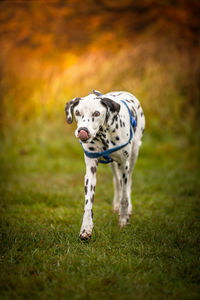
column 116, row 209
column 85, row 233
column 124, row 221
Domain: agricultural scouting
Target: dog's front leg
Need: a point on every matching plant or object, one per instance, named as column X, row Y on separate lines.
column 125, row 196
column 90, row 183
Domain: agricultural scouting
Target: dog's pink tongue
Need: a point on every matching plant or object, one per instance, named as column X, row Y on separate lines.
column 83, row 136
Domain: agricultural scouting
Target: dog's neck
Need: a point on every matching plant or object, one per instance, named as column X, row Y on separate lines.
column 110, row 135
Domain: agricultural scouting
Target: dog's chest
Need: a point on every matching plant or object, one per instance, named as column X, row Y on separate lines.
column 114, row 135
column 118, row 131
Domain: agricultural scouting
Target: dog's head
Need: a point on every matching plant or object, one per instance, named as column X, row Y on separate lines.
column 91, row 113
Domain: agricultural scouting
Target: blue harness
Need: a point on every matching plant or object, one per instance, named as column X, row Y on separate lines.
column 106, row 154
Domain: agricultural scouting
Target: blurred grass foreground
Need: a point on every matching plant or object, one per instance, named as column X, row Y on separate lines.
column 51, row 52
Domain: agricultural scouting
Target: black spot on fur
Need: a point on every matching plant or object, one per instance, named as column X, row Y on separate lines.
column 126, row 153
column 123, row 175
column 91, row 148
column 86, row 182
column 96, row 139
column 141, row 114
column 120, row 122
column 93, row 170
column 92, row 198
column 91, row 213
column 126, row 168
column 91, row 188
column 113, row 143
column 113, row 130
column 123, row 124
column 117, row 138
column 104, row 143
column 92, row 119
column 86, row 202
column 114, row 118
column 86, row 190
column 117, row 126
column 125, row 180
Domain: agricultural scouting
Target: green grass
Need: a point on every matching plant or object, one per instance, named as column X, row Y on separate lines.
column 41, row 190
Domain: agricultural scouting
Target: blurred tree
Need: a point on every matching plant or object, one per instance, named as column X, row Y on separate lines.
column 144, row 45
column 50, row 26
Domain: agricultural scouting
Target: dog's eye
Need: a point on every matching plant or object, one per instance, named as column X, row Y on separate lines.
column 96, row 114
column 77, row 113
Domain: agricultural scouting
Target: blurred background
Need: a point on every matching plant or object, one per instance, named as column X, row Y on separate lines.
column 52, row 51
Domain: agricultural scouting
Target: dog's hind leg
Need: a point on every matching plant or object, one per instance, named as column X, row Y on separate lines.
column 116, row 184
column 133, row 158
column 125, row 193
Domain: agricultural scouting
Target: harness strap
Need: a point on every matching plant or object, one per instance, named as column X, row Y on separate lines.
column 106, row 154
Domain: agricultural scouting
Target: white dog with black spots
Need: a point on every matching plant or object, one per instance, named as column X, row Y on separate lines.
column 103, row 122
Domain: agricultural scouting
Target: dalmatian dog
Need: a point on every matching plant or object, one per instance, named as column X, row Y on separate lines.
column 110, row 128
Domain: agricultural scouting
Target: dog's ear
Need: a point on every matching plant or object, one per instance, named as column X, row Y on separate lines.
column 111, row 106
column 69, row 109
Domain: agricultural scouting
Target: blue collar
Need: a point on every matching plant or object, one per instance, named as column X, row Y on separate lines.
column 106, row 154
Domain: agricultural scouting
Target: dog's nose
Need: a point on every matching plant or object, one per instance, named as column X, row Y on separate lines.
column 83, row 134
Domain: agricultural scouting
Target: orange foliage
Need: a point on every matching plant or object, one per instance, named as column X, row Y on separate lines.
column 54, row 50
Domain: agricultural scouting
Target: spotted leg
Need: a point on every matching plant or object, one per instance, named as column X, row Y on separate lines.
column 117, row 188
column 90, row 183
column 133, row 158
column 125, row 196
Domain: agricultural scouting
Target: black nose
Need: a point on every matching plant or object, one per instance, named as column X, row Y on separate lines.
column 83, row 128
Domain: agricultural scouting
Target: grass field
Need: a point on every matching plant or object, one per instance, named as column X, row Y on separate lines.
column 156, row 257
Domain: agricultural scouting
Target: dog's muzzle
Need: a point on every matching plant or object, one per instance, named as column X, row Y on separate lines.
column 83, row 134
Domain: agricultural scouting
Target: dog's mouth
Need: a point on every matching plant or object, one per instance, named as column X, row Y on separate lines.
column 83, row 135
